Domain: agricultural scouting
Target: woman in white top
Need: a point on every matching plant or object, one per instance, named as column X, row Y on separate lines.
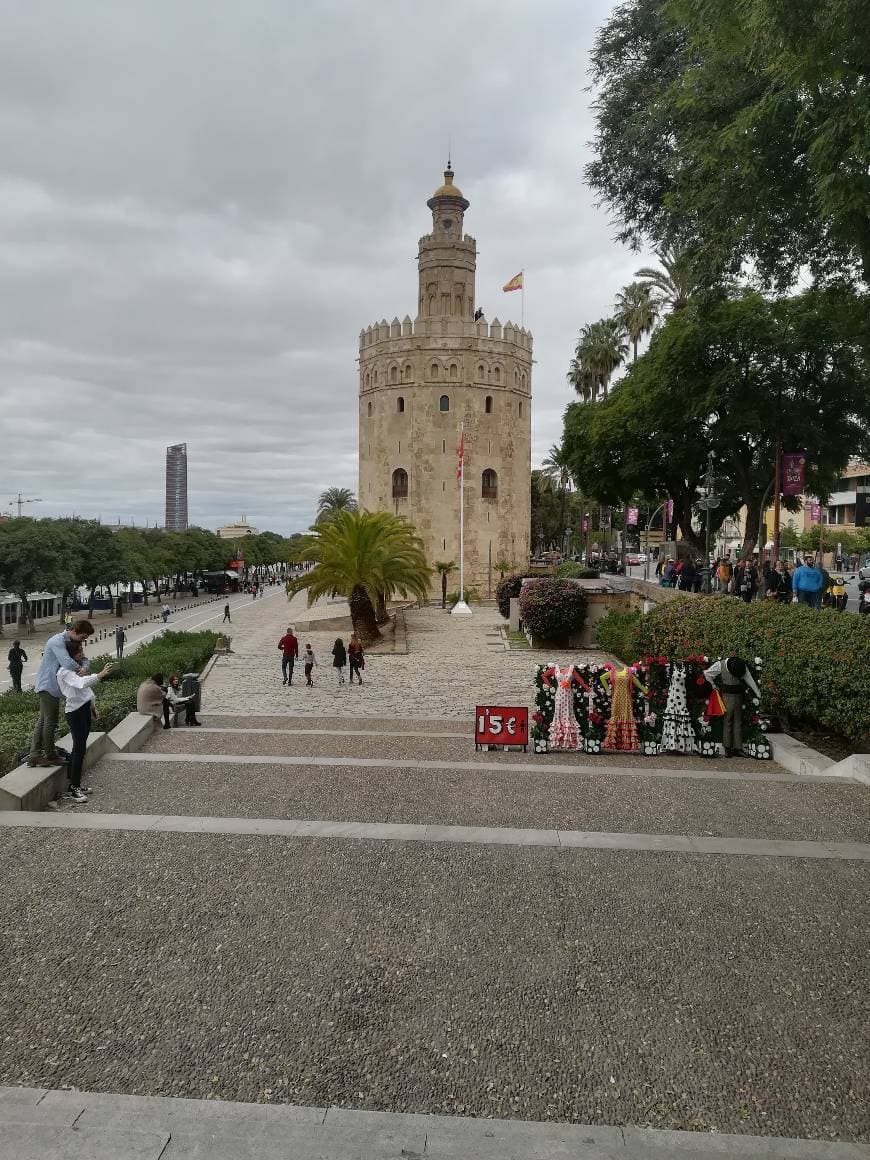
column 79, row 697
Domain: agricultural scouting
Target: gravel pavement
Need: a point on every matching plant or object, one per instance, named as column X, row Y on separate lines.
column 600, row 987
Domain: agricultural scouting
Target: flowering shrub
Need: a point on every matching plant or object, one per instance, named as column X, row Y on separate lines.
column 552, row 609
column 815, row 663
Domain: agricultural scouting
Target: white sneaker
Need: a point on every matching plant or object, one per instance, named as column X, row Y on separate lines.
column 75, row 795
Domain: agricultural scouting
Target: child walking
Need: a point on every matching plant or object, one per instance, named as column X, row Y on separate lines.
column 309, row 662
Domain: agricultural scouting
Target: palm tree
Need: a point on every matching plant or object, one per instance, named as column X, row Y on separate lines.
column 556, row 476
column 636, row 310
column 600, row 350
column 674, row 284
column 335, row 500
column 364, row 556
column 501, row 566
column 444, row 568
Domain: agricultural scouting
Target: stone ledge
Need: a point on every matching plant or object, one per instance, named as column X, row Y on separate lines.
column 856, row 768
column 32, row 788
column 130, row 735
column 796, row 757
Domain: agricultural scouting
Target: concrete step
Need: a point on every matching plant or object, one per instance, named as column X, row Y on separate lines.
column 478, row 794
column 297, row 718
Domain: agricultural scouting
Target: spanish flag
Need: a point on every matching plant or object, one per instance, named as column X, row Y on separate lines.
column 516, row 283
column 460, row 466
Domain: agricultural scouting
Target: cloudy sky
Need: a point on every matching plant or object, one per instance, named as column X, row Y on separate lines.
column 202, row 202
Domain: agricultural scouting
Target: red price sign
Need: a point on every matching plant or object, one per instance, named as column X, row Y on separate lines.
column 501, row 725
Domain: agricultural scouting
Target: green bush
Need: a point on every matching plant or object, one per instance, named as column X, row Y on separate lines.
column 570, row 570
column 506, row 590
column 619, row 634
column 552, row 609
column 472, row 596
column 180, row 652
column 815, row 663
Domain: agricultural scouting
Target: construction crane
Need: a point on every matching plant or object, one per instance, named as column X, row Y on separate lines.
column 21, row 501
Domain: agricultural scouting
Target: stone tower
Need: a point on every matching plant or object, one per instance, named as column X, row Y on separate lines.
column 418, row 381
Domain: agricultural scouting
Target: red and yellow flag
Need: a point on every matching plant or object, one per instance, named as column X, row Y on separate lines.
column 461, row 456
column 516, row 283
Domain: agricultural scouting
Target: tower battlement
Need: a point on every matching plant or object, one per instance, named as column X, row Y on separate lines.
column 383, row 331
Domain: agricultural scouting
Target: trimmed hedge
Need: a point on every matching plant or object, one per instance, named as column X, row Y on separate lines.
column 552, row 609
column 815, row 663
column 172, row 652
column 571, row 570
column 619, row 634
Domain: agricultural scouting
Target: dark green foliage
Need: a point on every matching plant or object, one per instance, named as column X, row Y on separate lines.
column 814, row 662
column 552, row 609
column 573, row 571
column 508, row 589
column 618, row 633
column 173, row 652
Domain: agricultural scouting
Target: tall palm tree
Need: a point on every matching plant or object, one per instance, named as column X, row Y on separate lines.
column 364, row 556
column 637, row 311
column 335, row 500
column 444, row 568
column 674, row 283
column 600, row 350
column 556, row 476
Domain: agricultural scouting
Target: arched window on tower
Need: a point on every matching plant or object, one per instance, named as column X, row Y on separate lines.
column 394, row 374
column 400, row 483
column 489, row 484
column 368, row 380
column 496, row 374
column 523, row 380
column 444, row 403
column 516, row 378
column 481, row 373
column 433, row 371
column 488, row 405
column 370, row 408
column 408, row 373
column 400, row 404
column 454, row 371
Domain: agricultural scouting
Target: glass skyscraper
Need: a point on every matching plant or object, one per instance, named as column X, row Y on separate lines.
column 176, row 488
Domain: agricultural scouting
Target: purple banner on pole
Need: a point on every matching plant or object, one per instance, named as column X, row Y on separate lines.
column 585, row 525
column 669, row 511
column 793, row 472
column 815, row 510
column 631, row 517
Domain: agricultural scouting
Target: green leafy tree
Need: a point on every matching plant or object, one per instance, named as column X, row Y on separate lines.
column 335, row 500
column 730, row 378
column 636, row 312
column 364, row 555
column 556, row 475
column 738, row 127
column 601, row 348
column 672, row 285
column 37, row 556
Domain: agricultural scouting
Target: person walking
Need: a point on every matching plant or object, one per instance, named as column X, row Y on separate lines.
column 120, row 641
column 339, row 659
column 54, row 657
column 784, row 595
column 16, row 657
column 309, row 661
column 227, row 616
column 745, row 581
column 808, row 583
column 774, row 582
column 165, row 612
column 289, row 646
column 355, row 658
column 80, row 710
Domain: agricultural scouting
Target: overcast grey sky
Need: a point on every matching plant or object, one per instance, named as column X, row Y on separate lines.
column 202, row 202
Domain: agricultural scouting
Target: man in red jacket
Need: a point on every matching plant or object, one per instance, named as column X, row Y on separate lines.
column 289, row 646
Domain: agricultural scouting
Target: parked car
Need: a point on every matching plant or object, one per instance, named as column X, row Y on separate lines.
column 864, row 570
column 632, row 559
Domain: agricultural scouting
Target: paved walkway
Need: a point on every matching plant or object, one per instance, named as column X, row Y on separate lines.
column 345, row 934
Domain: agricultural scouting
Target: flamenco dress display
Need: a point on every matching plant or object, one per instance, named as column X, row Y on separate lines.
column 621, row 733
column 678, row 736
column 564, row 731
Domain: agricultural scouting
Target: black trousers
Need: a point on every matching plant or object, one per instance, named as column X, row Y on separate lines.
column 79, row 721
column 287, row 664
column 16, row 679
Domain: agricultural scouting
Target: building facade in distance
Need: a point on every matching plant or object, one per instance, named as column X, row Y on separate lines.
column 176, row 488
column 237, row 531
column 420, row 381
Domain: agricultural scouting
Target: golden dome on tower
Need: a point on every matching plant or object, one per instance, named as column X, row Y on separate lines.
column 448, row 189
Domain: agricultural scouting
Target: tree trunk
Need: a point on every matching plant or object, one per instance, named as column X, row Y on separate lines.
column 362, row 614
column 381, row 614
column 443, row 589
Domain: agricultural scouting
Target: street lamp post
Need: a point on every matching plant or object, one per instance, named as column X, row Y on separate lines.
column 709, row 503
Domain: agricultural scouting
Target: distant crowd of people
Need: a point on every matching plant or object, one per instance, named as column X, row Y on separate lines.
column 804, row 583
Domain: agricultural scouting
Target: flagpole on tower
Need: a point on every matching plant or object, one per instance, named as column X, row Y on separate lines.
column 461, row 608
column 523, row 298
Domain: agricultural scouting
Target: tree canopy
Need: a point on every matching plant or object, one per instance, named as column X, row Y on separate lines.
column 739, row 129
column 730, row 377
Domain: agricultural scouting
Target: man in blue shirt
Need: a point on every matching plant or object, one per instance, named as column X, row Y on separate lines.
column 54, row 657
column 808, row 583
